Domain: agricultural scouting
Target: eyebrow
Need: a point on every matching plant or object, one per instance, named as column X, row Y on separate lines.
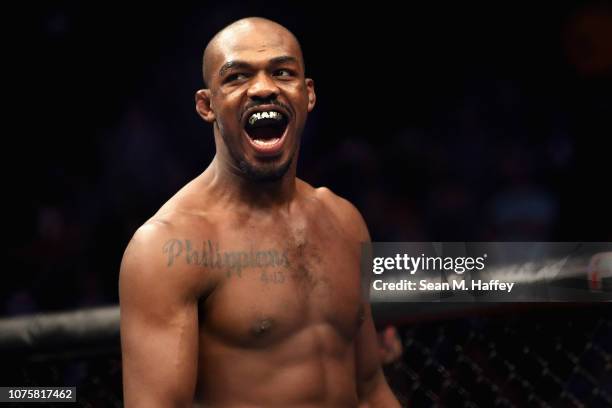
column 283, row 59
column 243, row 64
column 232, row 64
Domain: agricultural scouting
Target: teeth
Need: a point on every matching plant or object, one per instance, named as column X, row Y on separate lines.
column 268, row 142
column 264, row 115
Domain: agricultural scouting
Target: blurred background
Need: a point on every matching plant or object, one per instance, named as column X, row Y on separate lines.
column 439, row 122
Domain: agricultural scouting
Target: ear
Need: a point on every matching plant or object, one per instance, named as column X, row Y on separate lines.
column 312, row 97
column 204, row 105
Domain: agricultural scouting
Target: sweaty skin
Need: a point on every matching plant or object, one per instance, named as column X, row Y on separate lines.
column 243, row 290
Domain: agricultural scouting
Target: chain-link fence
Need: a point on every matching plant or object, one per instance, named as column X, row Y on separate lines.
column 559, row 357
column 551, row 358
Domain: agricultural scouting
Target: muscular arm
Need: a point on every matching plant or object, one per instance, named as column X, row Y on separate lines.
column 159, row 324
column 372, row 388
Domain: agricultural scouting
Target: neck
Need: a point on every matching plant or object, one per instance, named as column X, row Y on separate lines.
column 230, row 187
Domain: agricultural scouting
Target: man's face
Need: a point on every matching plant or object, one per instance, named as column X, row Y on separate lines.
column 259, row 97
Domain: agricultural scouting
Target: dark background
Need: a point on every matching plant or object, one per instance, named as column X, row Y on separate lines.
column 450, row 123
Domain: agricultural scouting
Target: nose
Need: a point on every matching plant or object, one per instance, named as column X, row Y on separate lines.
column 263, row 87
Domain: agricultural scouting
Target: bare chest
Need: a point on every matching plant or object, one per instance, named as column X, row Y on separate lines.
column 273, row 285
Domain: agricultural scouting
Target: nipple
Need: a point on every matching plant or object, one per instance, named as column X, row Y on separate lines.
column 262, row 327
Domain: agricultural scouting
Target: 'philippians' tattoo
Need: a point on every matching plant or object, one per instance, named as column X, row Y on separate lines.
column 209, row 255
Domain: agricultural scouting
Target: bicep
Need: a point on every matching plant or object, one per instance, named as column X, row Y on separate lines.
column 159, row 334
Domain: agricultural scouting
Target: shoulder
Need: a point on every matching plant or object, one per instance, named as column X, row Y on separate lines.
column 156, row 232
column 181, row 219
column 145, row 258
column 344, row 211
column 155, row 259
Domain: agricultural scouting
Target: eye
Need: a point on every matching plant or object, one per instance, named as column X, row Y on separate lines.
column 238, row 76
column 283, row 72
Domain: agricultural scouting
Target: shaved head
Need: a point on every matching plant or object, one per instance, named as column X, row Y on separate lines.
column 252, row 69
column 232, row 34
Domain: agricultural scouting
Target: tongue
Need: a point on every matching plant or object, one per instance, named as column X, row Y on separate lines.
column 265, row 133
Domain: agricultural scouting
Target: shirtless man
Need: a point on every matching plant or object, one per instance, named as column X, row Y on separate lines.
column 244, row 289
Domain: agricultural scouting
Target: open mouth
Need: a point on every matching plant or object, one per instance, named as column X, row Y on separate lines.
column 265, row 130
